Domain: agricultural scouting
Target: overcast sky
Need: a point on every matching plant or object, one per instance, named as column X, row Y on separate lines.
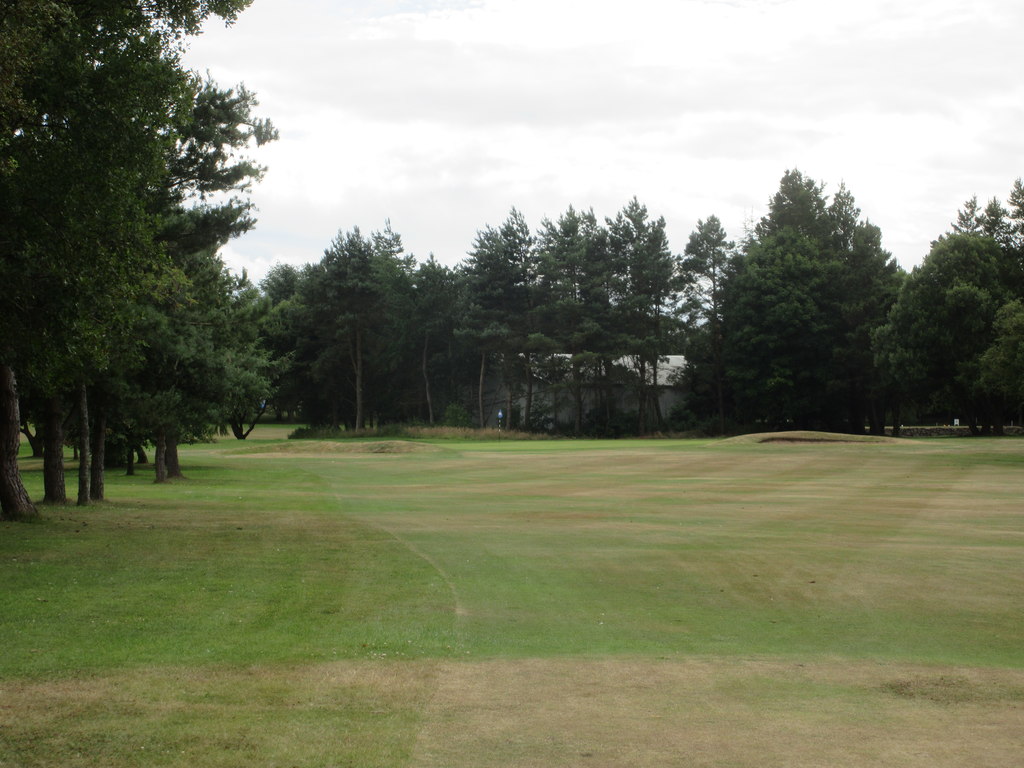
column 441, row 115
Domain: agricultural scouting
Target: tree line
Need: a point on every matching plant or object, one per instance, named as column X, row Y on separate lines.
column 122, row 174
column 807, row 322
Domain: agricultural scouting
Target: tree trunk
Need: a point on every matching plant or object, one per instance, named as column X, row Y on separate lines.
column 360, row 417
column 160, row 460
column 605, row 394
column 54, row 490
column 426, row 379
column 14, row 501
column 655, row 394
column 35, row 439
column 83, row 447
column 130, row 461
column 140, row 453
column 528, row 408
column 577, row 398
column 238, row 423
column 719, row 377
column 99, row 453
column 876, row 415
column 171, row 455
column 641, row 398
column 659, row 418
column 480, row 390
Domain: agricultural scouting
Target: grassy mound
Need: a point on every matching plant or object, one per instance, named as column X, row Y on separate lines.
column 807, row 436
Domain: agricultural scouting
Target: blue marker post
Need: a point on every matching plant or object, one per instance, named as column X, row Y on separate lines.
column 501, row 415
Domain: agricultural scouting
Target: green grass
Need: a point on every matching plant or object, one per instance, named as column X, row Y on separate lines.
column 298, row 604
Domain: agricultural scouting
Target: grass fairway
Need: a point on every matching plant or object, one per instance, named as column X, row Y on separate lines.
column 548, row 603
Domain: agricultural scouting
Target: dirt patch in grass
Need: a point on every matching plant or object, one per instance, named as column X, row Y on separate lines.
column 649, row 713
column 956, row 689
column 808, row 437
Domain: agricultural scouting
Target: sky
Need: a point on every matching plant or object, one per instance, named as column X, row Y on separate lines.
column 440, row 116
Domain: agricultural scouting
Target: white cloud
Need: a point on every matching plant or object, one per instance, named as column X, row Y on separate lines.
column 443, row 115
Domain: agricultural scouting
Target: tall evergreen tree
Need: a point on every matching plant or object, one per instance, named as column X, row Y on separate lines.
column 646, row 288
column 941, row 326
column 573, row 304
column 705, row 267
column 800, row 307
column 498, row 275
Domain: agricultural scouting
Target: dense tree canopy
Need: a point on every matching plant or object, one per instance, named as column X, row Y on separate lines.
column 800, row 305
column 96, row 106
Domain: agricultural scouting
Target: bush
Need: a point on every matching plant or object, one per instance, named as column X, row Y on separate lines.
column 455, row 415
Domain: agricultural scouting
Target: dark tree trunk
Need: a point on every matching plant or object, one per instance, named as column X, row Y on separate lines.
column 54, row 490
column 480, row 390
column 14, row 501
column 171, row 455
column 528, row 408
column 99, row 453
column 577, row 399
column 659, row 418
column 160, row 458
column 426, row 379
column 358, row 361
column 605, row 394
column 130, row 461
column 719, row 377
column 238, row 428
column 83, row 447
column 641, row 398
column 35, row 439
column 655, row 394
column 140, row 455
column 876, row 416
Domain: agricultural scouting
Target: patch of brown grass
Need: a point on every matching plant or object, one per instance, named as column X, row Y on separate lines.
column 534, row 713
column 649, row 713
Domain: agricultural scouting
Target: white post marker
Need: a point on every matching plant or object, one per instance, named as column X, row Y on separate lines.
column 501, row 415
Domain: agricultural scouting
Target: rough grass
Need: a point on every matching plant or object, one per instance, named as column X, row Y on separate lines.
column 414, row 432
column 329, row 447
column 526, row 604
